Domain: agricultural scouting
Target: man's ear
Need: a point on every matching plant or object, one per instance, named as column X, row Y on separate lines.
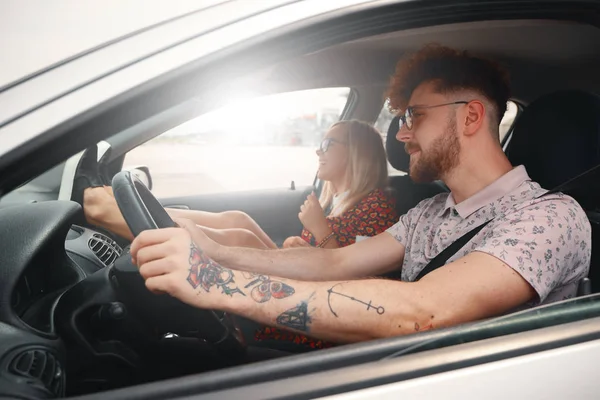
column 475, row 113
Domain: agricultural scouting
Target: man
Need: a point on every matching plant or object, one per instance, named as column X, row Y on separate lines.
column 535, row 249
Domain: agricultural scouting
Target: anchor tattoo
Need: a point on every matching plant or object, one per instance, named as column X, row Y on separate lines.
column 378, row 309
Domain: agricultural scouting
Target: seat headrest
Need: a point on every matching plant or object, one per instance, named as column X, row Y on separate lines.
column 557, row 137
column 394, row 148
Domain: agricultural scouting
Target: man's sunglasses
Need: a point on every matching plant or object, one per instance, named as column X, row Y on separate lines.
column 407, row 118
column 325, row 143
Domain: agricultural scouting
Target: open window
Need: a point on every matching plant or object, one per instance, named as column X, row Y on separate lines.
column 252, row 143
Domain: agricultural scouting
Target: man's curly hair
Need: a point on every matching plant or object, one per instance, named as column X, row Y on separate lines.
column 449, row 70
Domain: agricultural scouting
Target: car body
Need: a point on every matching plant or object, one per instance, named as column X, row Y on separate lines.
column 122, row 73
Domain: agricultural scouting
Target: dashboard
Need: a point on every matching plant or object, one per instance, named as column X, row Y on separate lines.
column 39, row 288
column 70, row 295
column 44, row 253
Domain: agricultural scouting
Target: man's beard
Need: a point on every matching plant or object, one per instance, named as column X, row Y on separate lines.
column 441, row 157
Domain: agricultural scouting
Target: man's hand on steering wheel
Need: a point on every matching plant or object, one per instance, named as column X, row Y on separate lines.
column 170, row 262
column 164, row 258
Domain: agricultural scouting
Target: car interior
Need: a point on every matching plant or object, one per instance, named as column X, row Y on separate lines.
column 87, row 325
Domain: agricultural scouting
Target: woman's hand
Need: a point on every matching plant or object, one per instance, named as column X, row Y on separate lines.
column 313, row 218
column 295, row 241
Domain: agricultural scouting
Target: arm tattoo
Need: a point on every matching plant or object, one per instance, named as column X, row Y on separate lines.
column 378, row 309
column 206, row 273
column 419, row 328
column 265, row 288
column 297, row 318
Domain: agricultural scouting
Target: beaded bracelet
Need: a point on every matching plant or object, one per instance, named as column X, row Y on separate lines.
column 326, row 239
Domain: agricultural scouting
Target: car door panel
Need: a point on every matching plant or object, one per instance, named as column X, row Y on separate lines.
column 275, row 211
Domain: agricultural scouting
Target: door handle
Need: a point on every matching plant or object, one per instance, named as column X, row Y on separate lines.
column 178, row 206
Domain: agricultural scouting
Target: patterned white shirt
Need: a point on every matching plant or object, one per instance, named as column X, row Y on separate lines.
column 547, row 240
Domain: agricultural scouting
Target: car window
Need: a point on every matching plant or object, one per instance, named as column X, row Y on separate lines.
column 385, row 118
column 250, row 144
column 509, row 118
column 382, row 124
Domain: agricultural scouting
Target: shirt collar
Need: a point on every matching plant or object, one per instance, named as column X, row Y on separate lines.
column 494, row 191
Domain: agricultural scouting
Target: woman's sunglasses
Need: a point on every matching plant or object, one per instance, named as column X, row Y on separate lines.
column 325, row 143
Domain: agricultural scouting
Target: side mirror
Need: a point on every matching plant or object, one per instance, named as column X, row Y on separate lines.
column 142, row 172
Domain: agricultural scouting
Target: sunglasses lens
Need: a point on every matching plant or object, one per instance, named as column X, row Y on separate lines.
column 324, row 145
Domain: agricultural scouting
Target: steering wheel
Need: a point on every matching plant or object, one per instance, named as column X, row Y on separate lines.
column 142, row 211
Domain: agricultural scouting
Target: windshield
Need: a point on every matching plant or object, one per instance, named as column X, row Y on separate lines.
column 42, row 188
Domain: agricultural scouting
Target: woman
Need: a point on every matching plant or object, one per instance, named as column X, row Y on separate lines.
column 353, row 165
column 352, row 206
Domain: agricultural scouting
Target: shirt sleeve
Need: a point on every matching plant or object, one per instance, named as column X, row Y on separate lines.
column 547, row 243
column 404, row 228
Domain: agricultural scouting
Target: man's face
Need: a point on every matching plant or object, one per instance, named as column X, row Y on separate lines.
column 433, row 142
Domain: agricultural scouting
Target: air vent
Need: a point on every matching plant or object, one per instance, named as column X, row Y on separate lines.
column 41, row 368
column 106, row 249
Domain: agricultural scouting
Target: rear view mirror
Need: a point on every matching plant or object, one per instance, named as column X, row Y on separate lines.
column 142, row 172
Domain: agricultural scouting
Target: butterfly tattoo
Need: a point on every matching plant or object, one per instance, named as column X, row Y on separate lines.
column 265, row 288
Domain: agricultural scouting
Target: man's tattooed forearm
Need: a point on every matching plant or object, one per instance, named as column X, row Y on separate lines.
column 298, row 318
column 206, row 273
column 332, row 292
column 265, row 288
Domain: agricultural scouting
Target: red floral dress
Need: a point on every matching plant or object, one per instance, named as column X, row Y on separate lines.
column 374, row 214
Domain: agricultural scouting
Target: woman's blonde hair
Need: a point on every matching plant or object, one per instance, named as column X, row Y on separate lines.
column 366, row 169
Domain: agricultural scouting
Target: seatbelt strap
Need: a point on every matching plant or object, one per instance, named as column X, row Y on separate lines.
column 441, row 259
column 583, row 187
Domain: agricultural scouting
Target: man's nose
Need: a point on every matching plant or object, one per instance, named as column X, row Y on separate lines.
column 319, row 152
column 403, row 134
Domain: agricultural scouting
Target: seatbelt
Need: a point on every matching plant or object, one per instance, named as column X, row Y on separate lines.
column 441, row 259
column 570, row 187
